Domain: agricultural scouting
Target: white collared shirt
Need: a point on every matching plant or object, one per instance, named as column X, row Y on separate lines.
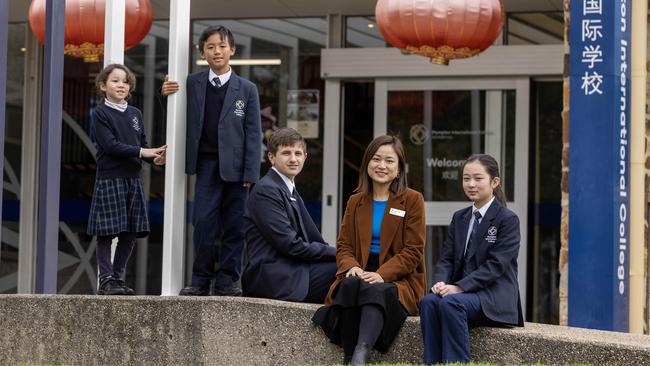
column 120, row 107
column 223, row 77
column 287, row 181
column 483, row 211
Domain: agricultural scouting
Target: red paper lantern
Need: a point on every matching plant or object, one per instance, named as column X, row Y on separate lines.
column 440, row 29
column 84, row 25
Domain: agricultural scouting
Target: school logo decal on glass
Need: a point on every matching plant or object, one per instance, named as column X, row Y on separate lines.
column 419, row 134
column 136, row 124
column 239, row 108
column 491, row 234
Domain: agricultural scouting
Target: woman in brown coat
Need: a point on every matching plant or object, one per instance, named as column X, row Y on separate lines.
column 379, row 254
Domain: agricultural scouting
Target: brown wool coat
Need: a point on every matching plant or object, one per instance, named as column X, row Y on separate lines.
column 401, row 254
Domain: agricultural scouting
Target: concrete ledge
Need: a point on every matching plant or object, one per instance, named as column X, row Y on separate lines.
column 97, row 330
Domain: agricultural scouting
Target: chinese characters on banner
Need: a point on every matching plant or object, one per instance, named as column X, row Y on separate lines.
column 592, row 54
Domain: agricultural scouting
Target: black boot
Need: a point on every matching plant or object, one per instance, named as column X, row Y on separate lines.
column 361, row 354
column 127, row 290
column 109, row 286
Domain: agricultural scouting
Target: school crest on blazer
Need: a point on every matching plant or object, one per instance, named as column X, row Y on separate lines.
column 491, row 235
column 136, row 123
column 240, row 108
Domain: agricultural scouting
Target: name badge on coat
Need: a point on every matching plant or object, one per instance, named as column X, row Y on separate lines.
column 397, row 212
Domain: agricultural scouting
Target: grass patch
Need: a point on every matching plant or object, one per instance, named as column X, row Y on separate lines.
column 449, row 364
column 463, row 364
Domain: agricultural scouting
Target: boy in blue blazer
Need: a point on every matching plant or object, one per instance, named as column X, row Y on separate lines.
column 224, row 139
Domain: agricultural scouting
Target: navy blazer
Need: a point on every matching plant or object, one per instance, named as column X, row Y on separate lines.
column 240, row 128
column 278, row 254
column 493, row 260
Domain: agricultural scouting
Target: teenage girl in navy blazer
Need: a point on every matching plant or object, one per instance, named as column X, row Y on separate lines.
column 475, row 280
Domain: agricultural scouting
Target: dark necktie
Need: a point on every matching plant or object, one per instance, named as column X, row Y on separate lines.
column 216, row 82
column 477, row 217
column 470, row 243
column 299, row 205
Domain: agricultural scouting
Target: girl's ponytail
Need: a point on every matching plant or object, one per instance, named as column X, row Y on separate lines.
column 500, row 196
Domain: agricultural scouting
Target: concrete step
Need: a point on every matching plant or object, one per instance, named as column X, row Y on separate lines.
column 152, row 330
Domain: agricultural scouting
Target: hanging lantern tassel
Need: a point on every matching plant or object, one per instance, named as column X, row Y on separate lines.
column 441, row 30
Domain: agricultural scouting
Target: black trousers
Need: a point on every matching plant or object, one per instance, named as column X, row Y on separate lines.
column 321, row 277
column 218, row 209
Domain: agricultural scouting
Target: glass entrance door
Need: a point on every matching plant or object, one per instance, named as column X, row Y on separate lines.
column 441, row 123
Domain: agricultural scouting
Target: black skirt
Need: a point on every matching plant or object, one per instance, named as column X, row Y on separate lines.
column 340, row 321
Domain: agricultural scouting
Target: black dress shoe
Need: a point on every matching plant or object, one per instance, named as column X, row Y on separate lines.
column 360, row 355
column 194, row 291
column 226, row 291
column 109, row 286
column 127, row 290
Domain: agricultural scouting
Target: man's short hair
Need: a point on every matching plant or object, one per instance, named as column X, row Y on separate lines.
column 285, row 137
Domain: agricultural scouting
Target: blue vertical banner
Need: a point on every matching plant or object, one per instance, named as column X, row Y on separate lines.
column 599, row 164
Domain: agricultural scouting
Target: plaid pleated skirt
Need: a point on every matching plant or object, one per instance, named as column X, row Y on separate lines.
column 118, row 205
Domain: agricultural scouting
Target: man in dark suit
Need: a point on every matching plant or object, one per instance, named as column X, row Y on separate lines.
column 288, row 258
column 224, row 139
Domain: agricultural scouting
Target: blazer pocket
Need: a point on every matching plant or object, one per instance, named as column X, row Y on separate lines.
column 238, row 157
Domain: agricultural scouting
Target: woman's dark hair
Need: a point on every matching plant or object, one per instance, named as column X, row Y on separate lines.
column 399, row 184
column 102, row 77
column 492, row 168
column 225, row 33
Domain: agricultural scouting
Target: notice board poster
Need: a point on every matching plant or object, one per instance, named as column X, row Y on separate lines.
column 303, row 111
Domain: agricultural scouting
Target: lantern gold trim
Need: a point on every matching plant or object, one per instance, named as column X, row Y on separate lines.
column 89, row 51
column 441, row 55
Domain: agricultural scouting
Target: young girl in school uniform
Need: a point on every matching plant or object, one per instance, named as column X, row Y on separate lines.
column 475, row 280
column 118, row 206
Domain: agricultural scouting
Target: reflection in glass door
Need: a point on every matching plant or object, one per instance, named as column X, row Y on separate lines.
column 441, row 123
column 452, row 127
